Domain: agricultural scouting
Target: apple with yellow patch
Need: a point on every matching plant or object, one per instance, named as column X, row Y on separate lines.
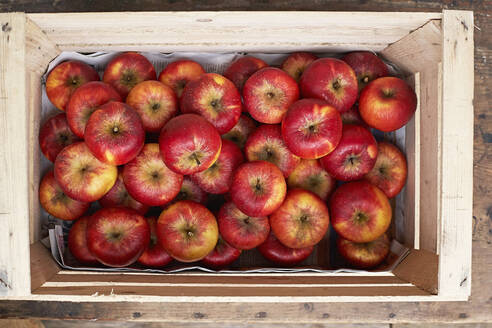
column 179, row 73
column 360, row 211
column 310, row 175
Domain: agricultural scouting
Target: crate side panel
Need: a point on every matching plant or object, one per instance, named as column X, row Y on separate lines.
column 457, row 154
column 14, row 199
column 220, row 31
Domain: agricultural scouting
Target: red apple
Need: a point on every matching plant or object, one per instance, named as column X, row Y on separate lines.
column 266, row 144
column 54, row 135
column 81, row 175
column 114, row 133
column 364, row 255
column 127, row 70
column 258, row 188
column 85, row 100
column 148, row 179
column 177, row 74
column 268, row 94
column 366, row 65
column 222, row 255
column 217, row 179
column 390, row 171
column 65, row 78
column 240, row 70
column 310, row 175
column 56, row 202
column 117, row 236
column 387, row 103
column 118, row 196
column 154, row 102
column 77, row 242
column 295, row 64
column 240, row 132
column 154, row 255
column 189, row 144
column 354, row 156
column 215, row 98
column 331, row 80
column 191, row 191
column 272, row 249
column 187, row 230
column 360, row 211
column 352, row 116
column 301, row 221
column 240, row 230
column 311, row 128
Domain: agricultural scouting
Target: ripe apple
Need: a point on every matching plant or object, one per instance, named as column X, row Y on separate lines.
column 217, row 179
column 301, row 221
column 118, row 196
column 154, row 102
column 127, row 70
column 177, row 74
column 295, row 64
column 310, row 175
column 258, row 188
column 266, row 144
column 215, row 98
column 240, row 230
column 311, row 128
column 56, row 202
column 189, row 144
column 149, row 180
column 85, row 100
column 241, row 131
column 117, row 236
column 331, row 80
column 240, row 70
column 352, row 116
column 187, row 230
column 191, row 191
column 54, row 135
column 114, row 133
column 222, row 255
column 81, row 175
column 364, row 255
column 77, row 242
column 390, row 171
column 272, row 249
column 366, row 65
column 360, row 211
column 354, row 156
column 154, row 255
column 268, row 93
column 65, row 78
column 387, row 103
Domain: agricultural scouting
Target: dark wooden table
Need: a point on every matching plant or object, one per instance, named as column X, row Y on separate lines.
column 478, row 309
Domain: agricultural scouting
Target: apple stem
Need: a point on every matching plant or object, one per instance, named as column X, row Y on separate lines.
column 195, row 157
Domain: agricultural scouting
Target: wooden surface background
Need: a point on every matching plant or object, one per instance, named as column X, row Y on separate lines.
column 475, row 313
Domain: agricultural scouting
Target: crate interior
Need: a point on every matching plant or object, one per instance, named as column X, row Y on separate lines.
column 416, row 209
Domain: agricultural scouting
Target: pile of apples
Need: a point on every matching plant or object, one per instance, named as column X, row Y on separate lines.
column 135, row 142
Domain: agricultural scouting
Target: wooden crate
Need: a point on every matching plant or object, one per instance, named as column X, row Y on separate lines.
column 435, row 50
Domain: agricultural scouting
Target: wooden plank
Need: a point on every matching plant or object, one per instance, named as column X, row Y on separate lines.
column 92, row 324
column 223, row 279
column 43, row 267
column 221, row 291
column 40, row 50
column 420, row 267
column 14, row 136
column 417, row 49
column 457, row 154
column 430, row 159
column 221, row 31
